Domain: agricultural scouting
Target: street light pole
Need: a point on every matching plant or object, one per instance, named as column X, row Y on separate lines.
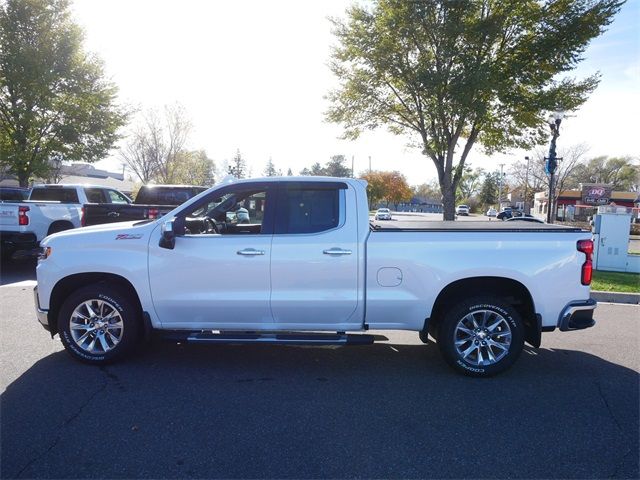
column 500, row 189
column 526, row 184
column 552, row 161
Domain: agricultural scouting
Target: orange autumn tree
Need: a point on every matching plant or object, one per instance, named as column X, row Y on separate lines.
column 390, row 187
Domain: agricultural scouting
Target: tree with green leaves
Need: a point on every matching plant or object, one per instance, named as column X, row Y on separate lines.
column 336, row 167
column 470, row 183
column 316, row 170
column 193, row 168
column 55, row 102
column 622, row 173
column 488, row 195
column 451, row 73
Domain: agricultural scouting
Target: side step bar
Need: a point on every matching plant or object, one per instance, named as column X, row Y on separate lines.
column 288, row 338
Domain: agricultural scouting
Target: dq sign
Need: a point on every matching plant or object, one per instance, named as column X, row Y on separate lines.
column 596, row 194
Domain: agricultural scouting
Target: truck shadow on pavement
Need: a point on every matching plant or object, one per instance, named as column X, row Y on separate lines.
column 387, row 410
column 13, row 271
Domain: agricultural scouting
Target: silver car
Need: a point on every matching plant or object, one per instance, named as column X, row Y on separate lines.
column 383, row 214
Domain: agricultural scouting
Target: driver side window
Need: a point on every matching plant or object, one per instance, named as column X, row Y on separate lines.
column 237, row 212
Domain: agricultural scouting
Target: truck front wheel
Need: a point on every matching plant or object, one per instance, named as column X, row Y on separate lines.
column 481, row 337
column 98, row 324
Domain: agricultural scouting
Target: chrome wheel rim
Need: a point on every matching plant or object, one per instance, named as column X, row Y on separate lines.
column 482, row 337
column 96, row 326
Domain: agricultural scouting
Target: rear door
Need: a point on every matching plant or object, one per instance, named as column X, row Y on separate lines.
column 314, row 257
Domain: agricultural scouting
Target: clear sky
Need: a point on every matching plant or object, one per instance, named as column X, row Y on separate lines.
column 252, row 75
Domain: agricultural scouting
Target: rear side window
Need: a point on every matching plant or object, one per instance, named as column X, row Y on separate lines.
column 94, row 195
column 54, row 194
column 164, row 196
column 116, row 197
column 307, row 210
column 13, row 194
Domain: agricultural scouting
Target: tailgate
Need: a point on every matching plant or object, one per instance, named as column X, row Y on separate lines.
column 9, row 215
column 100, row 213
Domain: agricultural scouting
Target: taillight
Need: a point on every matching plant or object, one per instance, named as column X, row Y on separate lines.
column 586, row 247
column 23, row 218
column 82, row 219
column 153, row 213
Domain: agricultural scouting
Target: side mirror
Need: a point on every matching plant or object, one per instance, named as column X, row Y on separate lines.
column 168, row 236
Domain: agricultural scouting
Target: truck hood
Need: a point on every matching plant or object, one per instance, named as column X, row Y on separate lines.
column 102, row 233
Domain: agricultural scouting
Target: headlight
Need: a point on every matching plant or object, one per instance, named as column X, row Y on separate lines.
column 44, row 253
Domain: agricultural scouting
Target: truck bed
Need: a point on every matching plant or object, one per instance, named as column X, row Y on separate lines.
column 463, row 226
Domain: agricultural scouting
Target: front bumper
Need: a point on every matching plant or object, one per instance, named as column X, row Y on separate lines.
column 43, row 315
column 577, row 315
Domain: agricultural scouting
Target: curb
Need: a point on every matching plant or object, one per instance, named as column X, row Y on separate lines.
column 616, row 297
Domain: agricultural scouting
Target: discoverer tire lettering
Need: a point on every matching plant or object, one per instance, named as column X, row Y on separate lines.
column 116, row 300
column 465, row 326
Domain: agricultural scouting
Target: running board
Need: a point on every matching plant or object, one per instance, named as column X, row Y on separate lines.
column 290, row 338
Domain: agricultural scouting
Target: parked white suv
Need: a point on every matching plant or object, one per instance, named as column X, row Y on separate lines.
column 462, row 210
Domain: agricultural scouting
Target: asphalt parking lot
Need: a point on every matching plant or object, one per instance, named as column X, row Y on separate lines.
column 394, row 409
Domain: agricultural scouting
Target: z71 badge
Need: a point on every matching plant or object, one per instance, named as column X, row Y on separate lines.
column 129, row 236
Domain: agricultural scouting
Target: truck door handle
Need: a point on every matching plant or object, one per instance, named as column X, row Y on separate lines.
column 336, row 251
column 113, row 214
column 250, row 252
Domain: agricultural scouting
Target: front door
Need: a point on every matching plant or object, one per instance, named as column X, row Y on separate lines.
column 314, row 258
column 217, row 276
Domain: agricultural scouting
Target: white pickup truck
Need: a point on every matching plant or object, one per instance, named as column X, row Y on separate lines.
column 306, row 267
column 49, row 209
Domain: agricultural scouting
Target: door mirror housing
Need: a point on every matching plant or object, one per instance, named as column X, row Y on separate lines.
column 168, row 236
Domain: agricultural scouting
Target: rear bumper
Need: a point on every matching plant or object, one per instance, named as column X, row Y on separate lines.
column 42, row 315
column 577, row 315
column 15, row 241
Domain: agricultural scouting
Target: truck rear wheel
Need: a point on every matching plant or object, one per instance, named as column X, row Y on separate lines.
column 481, row 337
column 98, row 324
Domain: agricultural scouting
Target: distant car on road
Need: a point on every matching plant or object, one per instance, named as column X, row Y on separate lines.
column 462, row 210
column 383, row 214
column 508, row 212
column 492, row 212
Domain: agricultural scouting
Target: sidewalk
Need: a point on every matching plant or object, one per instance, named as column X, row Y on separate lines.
column 616, row 297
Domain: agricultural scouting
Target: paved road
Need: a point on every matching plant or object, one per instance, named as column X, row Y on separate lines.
column 393, row 409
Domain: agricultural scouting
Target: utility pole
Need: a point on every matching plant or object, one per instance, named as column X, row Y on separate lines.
column 369, row 163
column 526, row 184
column 552, row 162
column 500, row 188
column 352, row 162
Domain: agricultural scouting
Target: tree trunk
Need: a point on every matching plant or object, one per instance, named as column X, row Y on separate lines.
column 23, row 179
column 449, row 204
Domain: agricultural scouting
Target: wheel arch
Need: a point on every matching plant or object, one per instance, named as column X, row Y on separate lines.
column 65, row 286
column 513, row 291
column 65, row 224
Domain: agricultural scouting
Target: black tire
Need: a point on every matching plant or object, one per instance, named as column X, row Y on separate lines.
column 125, row 309
column 474, row 365
column 56, row 227
column 424, row 336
